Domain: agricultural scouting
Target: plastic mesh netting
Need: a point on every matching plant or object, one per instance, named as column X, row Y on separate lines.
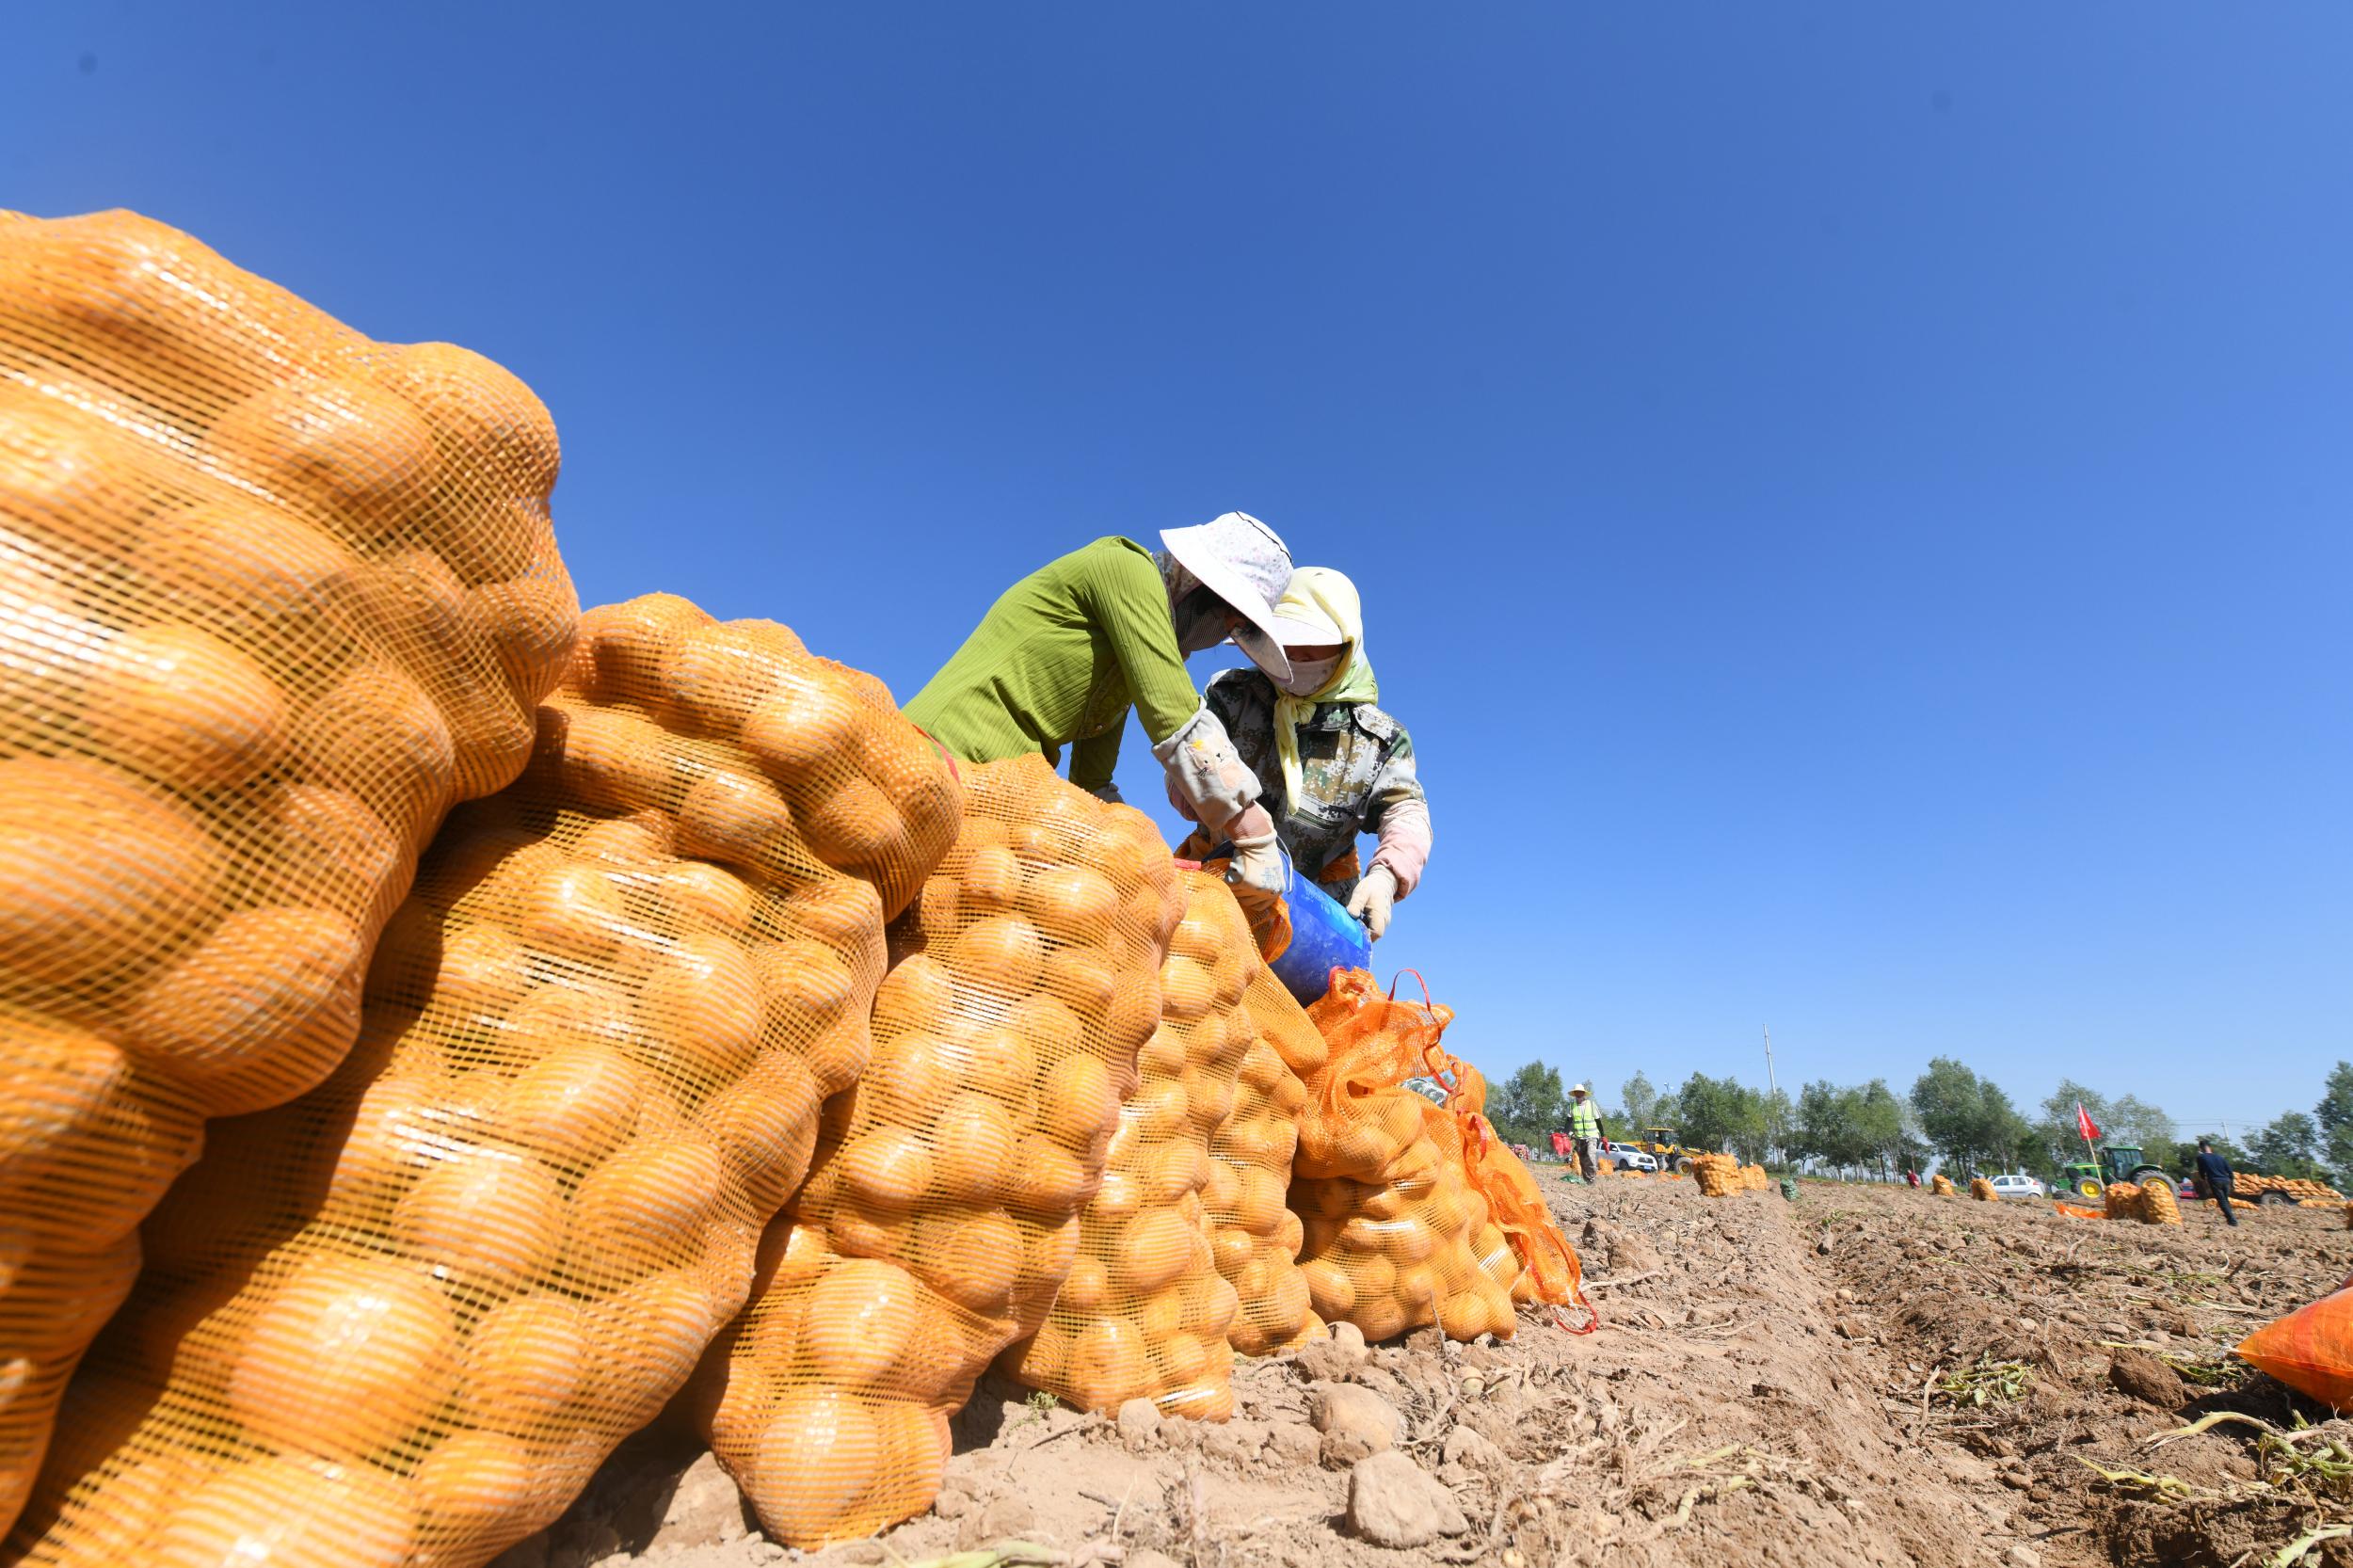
column 402, row 1318
column 273, row 595
column 942, row 1216
column 1256, row 1237
column 1144, row 1312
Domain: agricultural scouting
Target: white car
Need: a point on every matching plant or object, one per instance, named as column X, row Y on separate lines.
column 1627, row 1158
column 2016, row 1184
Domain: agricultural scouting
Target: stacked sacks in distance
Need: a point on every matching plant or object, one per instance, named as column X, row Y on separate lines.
column 1144, row 1312
column 403, row 1318
column 1256, row 1237
column 272, row 598
column 1715, row 1172
column 942, row 1215
column 1941, row 1185
column 1394, row 1234
column 2120, row 1200
column 2158, row 1205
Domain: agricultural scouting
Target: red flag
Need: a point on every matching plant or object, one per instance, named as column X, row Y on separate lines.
column 2083, row 1123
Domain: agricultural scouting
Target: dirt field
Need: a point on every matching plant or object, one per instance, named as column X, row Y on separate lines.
column 1866, row 1376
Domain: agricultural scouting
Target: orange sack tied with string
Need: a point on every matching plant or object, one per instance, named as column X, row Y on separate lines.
column 2311, row 1349
column 403, row 1318
column 1549, row 1271
column 273, row 597
column 1396, row 1237
column 942, row 1214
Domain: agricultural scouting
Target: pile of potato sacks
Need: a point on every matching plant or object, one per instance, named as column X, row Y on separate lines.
column 404, row 1318
column 273, row 597
column 731, row 1039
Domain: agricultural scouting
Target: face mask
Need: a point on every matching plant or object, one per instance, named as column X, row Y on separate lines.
column 1310, row 675
column 1200, row 617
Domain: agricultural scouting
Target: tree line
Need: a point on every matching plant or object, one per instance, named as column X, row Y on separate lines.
column 1950, row 1116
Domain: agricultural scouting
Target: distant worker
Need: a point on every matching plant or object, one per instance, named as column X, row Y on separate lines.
column 1912, row 1176
column 2216, row 1172
column 1333, row 764
column 1586, row 1131
column 1063, row 654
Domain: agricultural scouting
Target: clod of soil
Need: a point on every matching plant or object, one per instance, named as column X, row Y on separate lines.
column 1392, row 1503
column 2147, row 1379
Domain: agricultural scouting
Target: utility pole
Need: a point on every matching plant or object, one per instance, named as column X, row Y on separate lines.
column 1772, row 1105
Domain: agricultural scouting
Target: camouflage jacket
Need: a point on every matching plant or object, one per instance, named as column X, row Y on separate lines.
column 1356, row 766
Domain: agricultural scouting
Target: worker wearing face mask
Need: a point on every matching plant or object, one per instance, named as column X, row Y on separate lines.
column 1333, row 764
column 1064, row 653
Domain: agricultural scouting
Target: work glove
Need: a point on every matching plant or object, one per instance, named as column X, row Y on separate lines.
column 1372, row 900
column 1258, row 863
column 1206, row 778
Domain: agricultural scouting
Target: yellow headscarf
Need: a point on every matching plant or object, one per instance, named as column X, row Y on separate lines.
column 1322, row 602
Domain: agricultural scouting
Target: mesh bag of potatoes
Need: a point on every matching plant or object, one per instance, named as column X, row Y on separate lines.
column 1146, row 1312
column 273, row 597
column 1942, row 1186
column 2120, row 1200
column 1256, row 1237
column 2158, row 1205
column 1540, row 1266
column 402, row 1318
column 1715, row 1174
column 1982, row 1190
column 943, row 1211
column 1396, row 1237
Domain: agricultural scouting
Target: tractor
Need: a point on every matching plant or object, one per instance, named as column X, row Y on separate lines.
column 2118, row 1163
column 1660, row 1142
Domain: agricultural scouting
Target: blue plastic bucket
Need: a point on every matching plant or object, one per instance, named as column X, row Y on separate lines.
column 1324, row 937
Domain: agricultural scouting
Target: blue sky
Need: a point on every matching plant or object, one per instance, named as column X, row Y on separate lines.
column 1850, row 501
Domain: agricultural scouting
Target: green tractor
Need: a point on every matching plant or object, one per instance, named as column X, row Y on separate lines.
column 2118, row 1163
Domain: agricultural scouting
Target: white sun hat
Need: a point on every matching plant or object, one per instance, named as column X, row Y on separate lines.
column 1581, row 1089
column 1246, row 564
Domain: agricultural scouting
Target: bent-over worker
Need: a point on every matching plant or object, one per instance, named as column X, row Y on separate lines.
column 1586, row 1131
column 1063, row 654
column 2219, row 1180
column 1333, row 763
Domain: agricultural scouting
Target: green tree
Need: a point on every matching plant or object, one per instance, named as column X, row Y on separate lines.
column 1722, row 1113
column 2335, row 1115
column 1641, row 1105
column 2289, row 1146
column 1530, row 1105
column 1884, row 1132
column 1970, row 1121
column 2184, row 1153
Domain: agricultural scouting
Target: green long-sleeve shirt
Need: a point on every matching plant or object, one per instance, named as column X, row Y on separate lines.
column 1059, row 658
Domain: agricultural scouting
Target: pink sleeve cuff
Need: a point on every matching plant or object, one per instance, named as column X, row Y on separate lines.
column 1404, row 844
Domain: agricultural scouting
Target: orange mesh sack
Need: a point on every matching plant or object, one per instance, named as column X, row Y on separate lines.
column 2159, row 1206
column 1541, row 1266
column 273, row 595
column 943, row 1213
column 403, row 1318
column 1146, row 1311
column 1256, row 1237
column 1715, row 1172
column 1395, row 1235
column 1942, row 1186
column 2120, row 1200
column 2311, row 1349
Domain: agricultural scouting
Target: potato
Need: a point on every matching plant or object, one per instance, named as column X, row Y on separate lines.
column 290, row 1510
column 258, row 1012
column 488, row 1215
column 345, row 1358
column 495, row 436
column 524, row 1362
